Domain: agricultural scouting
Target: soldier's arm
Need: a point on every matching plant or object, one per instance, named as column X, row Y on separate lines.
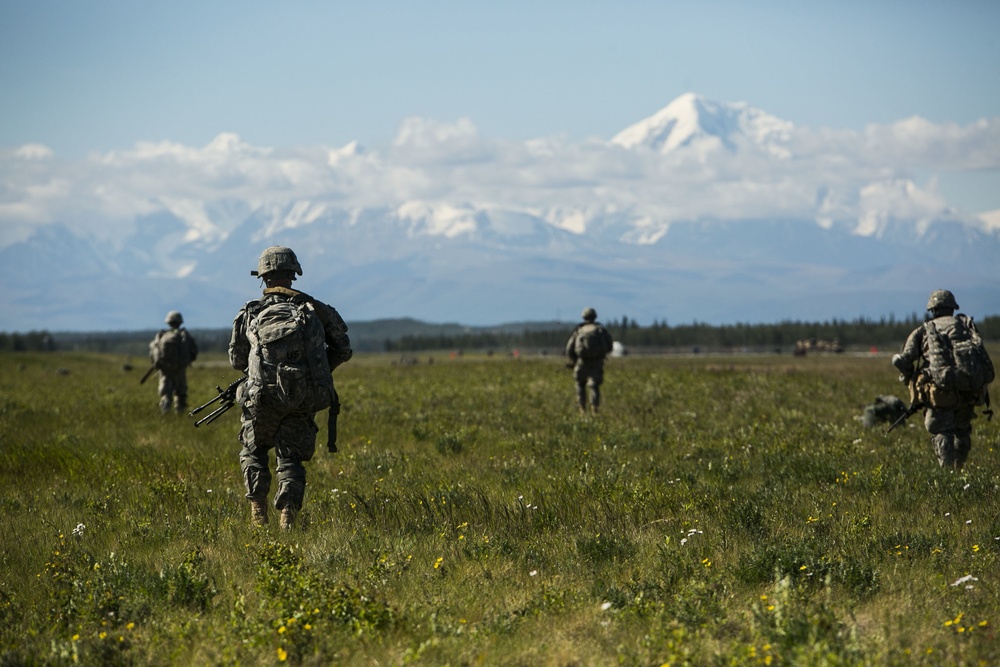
column 571, row 344
column 338, row 343
column 192, row 346
column 909, row 355
column 608, row 339
column 239, row 344
column 152, row 348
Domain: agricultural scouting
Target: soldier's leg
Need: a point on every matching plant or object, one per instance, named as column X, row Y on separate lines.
column 295, row 443
column 944, row 447
column 963, row 445
column 165, row 388
column 595, row 382
column 181, row 391
column 940, row 423
column 964, row 414
column 254, row 436
column 595, row 394
column 580, row 381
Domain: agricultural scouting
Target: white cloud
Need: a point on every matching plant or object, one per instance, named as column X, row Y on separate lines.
column 827, row 175
column 34, row 152
column 991, row 219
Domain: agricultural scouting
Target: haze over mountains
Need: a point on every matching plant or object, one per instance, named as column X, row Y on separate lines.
column 709, row 211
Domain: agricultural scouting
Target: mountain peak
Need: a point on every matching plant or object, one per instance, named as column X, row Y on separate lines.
column 694, row 120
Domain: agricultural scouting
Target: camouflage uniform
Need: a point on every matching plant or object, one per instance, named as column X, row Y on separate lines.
column 265, row 426
column 588, row 374
column 173, row 389
column 948, row 421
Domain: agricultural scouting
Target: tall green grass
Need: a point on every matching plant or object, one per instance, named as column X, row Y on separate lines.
column 720, row 511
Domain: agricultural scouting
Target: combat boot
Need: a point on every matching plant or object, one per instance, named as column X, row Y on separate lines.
column 258, row 512
column 287, row 518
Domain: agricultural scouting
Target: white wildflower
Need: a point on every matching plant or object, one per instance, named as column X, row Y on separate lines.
column 962, row 580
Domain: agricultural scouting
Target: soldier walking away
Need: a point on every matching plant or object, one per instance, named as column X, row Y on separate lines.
column 287, row 343
column 586, row 348
column 171, row 352
column 952, row 380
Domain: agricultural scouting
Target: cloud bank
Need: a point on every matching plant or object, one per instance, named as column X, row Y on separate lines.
column 827, row 175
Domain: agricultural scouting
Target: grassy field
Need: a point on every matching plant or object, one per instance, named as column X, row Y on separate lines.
column 721, row 511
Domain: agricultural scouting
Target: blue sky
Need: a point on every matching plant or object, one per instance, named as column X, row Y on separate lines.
column 81, row 77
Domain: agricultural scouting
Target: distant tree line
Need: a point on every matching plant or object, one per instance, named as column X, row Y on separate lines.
column 658, row 336
column 884, row 332
column 33, row 341
column 134, row 343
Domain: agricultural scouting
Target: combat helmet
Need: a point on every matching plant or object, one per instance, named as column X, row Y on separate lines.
column 173, row 317
column 942, row 298
column 589, row 314
column 277, row 258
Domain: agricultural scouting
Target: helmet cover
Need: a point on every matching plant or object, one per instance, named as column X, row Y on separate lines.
column 942, row 298
column 277, row 258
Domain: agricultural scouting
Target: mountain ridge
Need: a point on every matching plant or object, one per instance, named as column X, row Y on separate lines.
column 869, row 250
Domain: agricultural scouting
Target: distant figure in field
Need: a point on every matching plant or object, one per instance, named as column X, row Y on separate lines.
column 952, row 380
column 586, row 348
column 885, row 409
column 171, row 352
column 287, row 343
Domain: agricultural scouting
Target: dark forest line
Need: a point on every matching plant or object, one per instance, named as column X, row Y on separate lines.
column 403, row 336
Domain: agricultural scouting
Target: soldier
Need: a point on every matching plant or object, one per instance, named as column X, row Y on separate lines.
column 586, row 348
column 953, row 379
column 171, row 352
column 287, row 343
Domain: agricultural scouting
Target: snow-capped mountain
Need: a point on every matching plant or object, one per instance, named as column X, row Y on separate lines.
column 552, row 235
column 692, row 120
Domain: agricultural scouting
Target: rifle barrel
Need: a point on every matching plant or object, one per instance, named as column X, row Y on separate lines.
column 202, row 407
column 215, row 414
column 906, row 415
column 145, row 377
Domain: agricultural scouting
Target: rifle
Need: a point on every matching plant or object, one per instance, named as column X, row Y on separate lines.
column 226, row 399
column 914, row 407
column 152, row 369
column 909, row 375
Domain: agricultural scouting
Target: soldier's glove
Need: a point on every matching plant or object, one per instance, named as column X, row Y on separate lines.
column 905, row 369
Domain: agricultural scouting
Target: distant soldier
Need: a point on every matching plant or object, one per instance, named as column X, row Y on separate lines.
column 171, row 352
column 287, row 343
column 586, row 348
column 952, row 380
